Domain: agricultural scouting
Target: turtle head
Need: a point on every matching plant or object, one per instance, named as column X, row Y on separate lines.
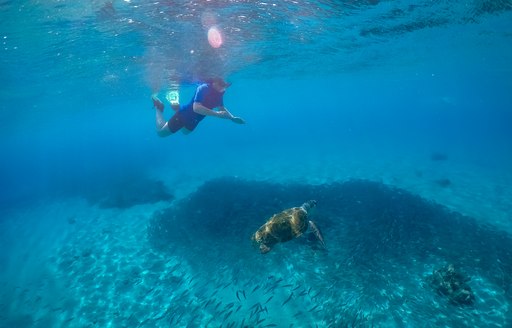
column 261, row 246
column 264, row 249
column 263, row 239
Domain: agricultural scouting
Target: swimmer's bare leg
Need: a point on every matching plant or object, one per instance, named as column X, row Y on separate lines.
column 162, row 130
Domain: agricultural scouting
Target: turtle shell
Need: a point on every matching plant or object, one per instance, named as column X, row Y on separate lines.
column 281, row 227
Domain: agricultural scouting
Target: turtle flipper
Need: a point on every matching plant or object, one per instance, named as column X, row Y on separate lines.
column 308, row 205
column 317, row 233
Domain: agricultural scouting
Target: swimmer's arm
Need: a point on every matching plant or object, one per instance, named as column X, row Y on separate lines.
column 221, row 113
column 202, row 110
column 224, row 109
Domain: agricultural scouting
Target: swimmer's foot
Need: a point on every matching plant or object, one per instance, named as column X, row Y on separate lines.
column 159, row 105
column 173, row 97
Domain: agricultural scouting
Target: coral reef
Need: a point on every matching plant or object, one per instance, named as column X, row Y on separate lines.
column 381, row 239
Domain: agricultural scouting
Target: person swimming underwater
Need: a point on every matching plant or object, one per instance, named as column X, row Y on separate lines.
column 208, row 100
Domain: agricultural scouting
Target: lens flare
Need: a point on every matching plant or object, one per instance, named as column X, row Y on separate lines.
column 214, row 37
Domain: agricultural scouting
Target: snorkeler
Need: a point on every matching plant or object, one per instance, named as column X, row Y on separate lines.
column 208, row 97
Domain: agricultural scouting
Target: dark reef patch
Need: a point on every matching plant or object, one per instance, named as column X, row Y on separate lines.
column 404, row 27
column 130, row 192
column 374, row 219
column 438, row 156
column 121, row 191
column 411, row 18
column 484, row 7
column 444, row 182
column 379, row 238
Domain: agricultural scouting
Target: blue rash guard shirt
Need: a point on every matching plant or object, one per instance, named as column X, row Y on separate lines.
column 207, row 96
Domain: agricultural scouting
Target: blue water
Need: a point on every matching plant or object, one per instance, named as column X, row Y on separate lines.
column 414, row 96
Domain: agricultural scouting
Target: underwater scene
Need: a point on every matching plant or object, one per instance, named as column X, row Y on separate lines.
column 237, row 163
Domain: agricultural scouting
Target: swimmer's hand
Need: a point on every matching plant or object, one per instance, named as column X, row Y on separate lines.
column 238, row 120
column 224, row 113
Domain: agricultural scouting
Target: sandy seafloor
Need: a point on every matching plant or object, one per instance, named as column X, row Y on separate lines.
column 72, row 264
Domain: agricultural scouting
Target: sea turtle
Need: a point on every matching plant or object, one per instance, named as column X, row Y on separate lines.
column 285, row 226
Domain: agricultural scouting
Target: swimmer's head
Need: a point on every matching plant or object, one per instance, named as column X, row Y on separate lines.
column 219, row 84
